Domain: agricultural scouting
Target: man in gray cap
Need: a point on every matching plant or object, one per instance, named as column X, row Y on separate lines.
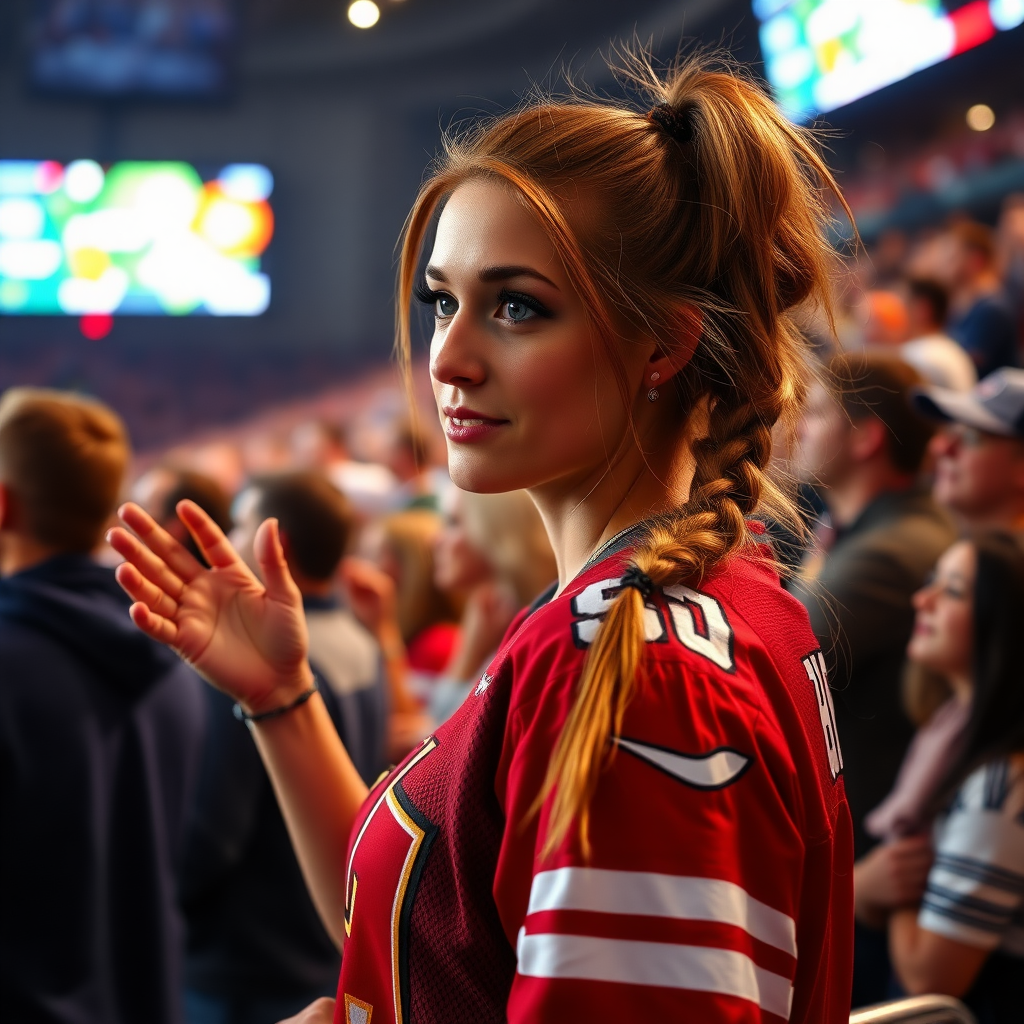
column 979, row 453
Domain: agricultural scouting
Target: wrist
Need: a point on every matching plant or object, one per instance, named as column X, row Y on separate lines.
column 284, row 692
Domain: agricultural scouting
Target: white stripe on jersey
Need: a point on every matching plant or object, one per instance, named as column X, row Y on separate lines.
column 652, row 895
column 724, row 971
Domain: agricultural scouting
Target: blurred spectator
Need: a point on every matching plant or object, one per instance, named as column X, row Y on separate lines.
column 979, row 453
column 886, row 319
column 1011, row 253
column 100, row 734
column 494, row 548
column 257, row 951
column 865, row 451
column 935, row 355
column 967, row 936
column 982, row 319
column 408, row 457
column 316, row 524
column 160, row 489
column 402, row 546
column 319, row 444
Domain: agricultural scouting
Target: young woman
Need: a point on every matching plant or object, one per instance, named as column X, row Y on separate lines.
column 637, row 813
column 965, row 935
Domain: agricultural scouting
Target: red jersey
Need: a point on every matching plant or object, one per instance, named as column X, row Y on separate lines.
column 719, row 887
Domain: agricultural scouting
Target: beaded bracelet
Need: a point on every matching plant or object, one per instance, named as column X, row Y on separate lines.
column 262, row 716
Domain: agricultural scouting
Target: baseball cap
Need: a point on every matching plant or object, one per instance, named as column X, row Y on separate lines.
column 995, row 404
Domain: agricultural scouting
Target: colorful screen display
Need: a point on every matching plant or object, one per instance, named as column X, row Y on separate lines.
column 822, row 54
column 133, row 237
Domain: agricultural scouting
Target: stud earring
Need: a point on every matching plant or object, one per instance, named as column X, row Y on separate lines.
column 652, row 395
column 655, row 376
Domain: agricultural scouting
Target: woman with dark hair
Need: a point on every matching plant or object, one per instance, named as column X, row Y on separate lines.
column 966, row 938
column 638, row 812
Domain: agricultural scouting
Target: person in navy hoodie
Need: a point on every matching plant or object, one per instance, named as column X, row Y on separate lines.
column 100, row 737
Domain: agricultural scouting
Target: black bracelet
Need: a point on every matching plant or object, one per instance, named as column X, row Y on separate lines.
column 243, row 716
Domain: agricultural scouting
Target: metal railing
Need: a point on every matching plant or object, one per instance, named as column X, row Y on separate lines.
column 916, row 1010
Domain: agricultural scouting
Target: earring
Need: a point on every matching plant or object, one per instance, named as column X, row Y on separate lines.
column 655, row 376
column 652, row 395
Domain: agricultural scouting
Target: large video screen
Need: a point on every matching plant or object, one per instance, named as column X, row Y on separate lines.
column 175, row 48
column 822, row 54
column 134, row 237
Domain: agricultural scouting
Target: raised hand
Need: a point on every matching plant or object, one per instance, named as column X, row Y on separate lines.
column 246, row 637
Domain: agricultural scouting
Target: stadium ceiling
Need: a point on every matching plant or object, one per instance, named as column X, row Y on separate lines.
column 416, row 40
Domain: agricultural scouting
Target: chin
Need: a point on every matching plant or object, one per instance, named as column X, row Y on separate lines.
column 481, row 474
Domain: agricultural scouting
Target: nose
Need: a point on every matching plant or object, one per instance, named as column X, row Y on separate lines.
column 456, row 355
column 922, row 598
column 944, row 442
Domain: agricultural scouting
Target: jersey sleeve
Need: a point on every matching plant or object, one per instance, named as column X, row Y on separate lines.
column 686, row 907
column 976, row 885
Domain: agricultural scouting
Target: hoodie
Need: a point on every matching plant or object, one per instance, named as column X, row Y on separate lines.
column 100, row 737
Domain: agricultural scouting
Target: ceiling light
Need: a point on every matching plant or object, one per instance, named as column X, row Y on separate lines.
column 981, row 117
column 363, row 13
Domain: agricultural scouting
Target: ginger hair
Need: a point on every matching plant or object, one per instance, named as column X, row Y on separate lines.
column 730, row 227
column 63, row 456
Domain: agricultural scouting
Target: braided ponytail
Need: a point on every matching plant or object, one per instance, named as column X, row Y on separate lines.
column 711, row 204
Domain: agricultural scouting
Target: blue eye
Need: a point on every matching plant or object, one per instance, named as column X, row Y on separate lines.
column 519, row 308
column 518, row 311
column 446, row 306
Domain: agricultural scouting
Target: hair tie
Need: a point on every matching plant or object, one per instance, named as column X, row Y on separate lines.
column 676, row 122
column 633, row 577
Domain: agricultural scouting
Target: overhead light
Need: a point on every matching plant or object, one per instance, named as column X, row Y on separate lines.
column 981, row 117
column 363, row 13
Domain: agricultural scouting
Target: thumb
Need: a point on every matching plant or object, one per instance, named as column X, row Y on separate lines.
column 269, row 554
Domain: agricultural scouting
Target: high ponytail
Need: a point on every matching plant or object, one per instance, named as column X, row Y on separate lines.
column 708, row 204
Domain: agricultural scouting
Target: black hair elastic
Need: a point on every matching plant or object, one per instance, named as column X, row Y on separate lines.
column 633, row 577
column 262, row 716
column 676, row 122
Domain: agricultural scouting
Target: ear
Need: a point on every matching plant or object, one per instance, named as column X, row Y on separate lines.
column 666, row 364
column 867, row 438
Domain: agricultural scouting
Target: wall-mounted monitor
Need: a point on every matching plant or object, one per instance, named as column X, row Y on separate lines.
column 823, row 54
column 133, row 238
column 174, row 48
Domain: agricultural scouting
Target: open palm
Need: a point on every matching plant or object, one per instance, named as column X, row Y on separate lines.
column 246, row 637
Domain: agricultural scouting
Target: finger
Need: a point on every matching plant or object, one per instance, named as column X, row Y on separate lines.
column 208, row 535
column 149, row 565
column 153, row 625
column 273, row 567
column 138, row 588
column 159, row 541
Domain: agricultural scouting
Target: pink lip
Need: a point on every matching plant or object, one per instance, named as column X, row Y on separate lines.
column 467, row 433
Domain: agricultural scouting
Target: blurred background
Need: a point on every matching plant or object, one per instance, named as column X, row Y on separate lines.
column 200, row 199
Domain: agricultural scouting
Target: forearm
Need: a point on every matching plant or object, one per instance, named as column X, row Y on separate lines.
column 320, row 793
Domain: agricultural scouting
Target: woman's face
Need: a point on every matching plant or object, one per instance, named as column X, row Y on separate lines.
column 525, row 392
column 458, row 565
column 943, row 637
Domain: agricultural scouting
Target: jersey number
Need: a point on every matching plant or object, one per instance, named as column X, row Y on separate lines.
column 814, row 666
column 698, row 620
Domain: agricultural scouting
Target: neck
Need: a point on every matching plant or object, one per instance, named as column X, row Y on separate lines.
column 19, row 551
column 968, row 293
column 1005, row 515
column 312, row 588
column 582, row 515
column 847, row 499
column 962, row 686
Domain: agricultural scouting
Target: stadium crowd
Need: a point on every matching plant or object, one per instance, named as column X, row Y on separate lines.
column 148, row 870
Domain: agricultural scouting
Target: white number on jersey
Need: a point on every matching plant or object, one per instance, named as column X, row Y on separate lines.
column 697, row 620
column 814, row 666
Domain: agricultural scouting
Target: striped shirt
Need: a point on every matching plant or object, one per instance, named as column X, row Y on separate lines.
column 975, row 891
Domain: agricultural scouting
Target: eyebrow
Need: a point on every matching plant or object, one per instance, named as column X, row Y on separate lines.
column 489, row 274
